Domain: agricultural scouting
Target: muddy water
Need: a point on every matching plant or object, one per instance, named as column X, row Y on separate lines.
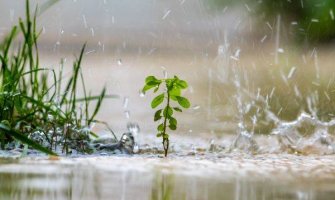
column 149, row 177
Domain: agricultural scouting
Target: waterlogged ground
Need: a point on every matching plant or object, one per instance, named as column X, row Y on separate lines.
column 196, row 168
column 148, row 176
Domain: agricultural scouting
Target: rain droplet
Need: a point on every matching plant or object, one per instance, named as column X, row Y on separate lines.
column 264, row 38
column 136, row 149
column 315, row 20
column 119, row 62
column 127, row 114
column 92, row 32
column 125, row 102
column 92, row 125
column 291, row 73
column 196, row 107
column 166, row 14
column 142, row 94
column 84, row 21
column 165, row 74
column 331, row 13
column 133, row 128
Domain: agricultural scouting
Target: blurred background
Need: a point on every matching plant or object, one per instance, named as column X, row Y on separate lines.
column 239, row 56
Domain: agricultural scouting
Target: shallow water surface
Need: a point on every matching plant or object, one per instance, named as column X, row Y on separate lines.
column 226, row 176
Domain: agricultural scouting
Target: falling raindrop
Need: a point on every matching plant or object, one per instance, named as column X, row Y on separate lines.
column 84, row 21
column 134, row 128
column 165, row 74
column 264, row 38
column 127, row 114
column 166, row 14
column 315, row 20
column 119, row 62
column 125, row 102
column 142, row 94
column 92, row 32
column 136, row 148
column 331, row 13
column 291, row 73
column 196, row 107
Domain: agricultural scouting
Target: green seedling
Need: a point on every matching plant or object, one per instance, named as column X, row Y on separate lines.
column 172, row 92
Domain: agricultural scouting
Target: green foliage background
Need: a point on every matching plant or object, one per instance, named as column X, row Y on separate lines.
column 304, row 12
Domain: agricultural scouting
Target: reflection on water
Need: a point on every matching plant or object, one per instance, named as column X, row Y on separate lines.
column 152, row 178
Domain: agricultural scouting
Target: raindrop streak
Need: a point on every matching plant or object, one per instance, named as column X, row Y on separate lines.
column 142, row 94
column 89, row 52
column 166, row 14
column 125, row 102
column 272, row 92
column 196, row 107
column 165, row 74
column 119, row 62
column 331, row 13
column 296, row 91
column 264, row 38
column 84, row 21
column 92, row 32
column 210, row 88
column 127, row 114
column 326, row 94
column 277, row 39
column 291, row 73
column 315, row 20
column 316, row 64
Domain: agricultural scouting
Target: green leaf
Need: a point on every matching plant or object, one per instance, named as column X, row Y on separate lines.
column 154, row 83
column 160, row 128
column 150, row 78
column 158, row 115
column 159, row 135
column 182, row 84
column 156, row 89
column 167, row 111
column 175, row 91
column 172, row 123
column 147, row 87
column 183, row 102
column 172, row 127
column 172, row 120
column 177, row 109
column 157, row 100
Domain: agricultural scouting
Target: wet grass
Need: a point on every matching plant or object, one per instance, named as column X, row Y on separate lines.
column 36, row 109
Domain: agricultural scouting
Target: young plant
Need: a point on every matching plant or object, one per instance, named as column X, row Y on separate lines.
column 172, row 92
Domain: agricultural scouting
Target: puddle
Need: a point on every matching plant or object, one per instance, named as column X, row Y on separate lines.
column 229, row 176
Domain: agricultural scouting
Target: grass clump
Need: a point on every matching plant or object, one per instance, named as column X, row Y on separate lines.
column 172, row 92
column 37, row 110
